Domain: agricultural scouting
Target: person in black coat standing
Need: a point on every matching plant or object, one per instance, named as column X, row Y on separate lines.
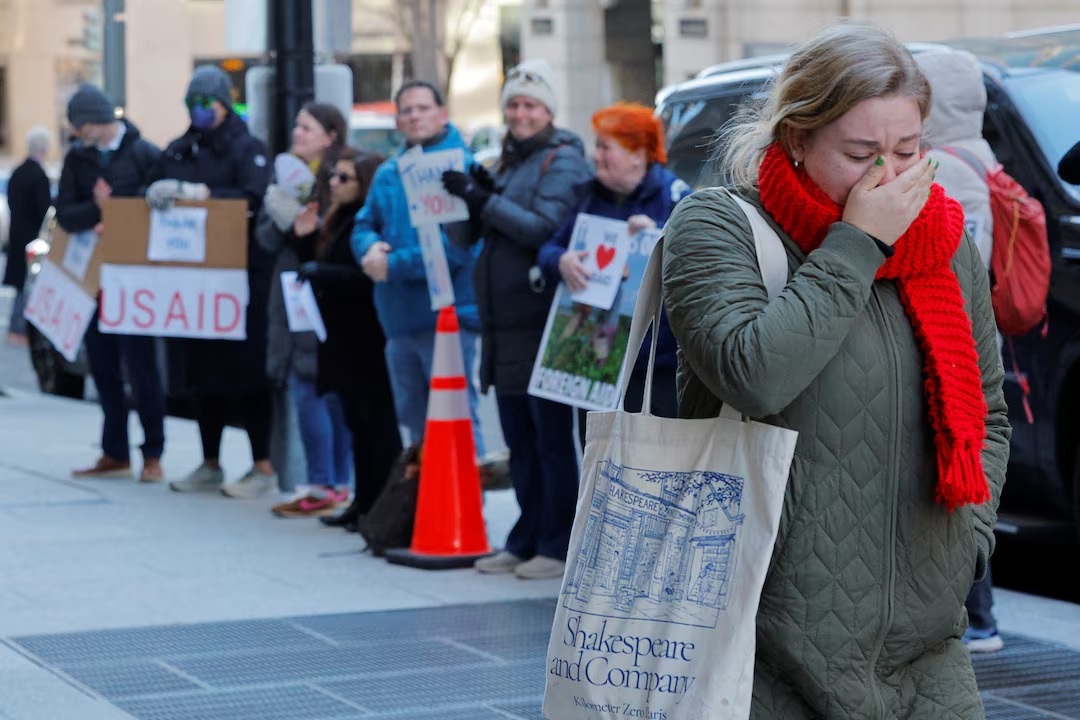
column 29, row 198
column 218, row 158
column 352, row 361
column 110, row 159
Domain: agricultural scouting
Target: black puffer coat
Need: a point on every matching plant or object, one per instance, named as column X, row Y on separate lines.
column 234, row 164
column 535, row 181
column 127, row 170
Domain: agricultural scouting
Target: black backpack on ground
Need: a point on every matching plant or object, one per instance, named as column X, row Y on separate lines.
column 389, row 523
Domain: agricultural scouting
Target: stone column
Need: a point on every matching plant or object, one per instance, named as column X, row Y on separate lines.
column 569, row 34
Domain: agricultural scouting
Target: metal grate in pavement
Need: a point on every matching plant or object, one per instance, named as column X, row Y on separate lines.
column 167, row 640
column 283, row 703
column 474, row 662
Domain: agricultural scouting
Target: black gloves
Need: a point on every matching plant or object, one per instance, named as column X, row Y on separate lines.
column 483, row 177
column 468, row 188
column 308, row 271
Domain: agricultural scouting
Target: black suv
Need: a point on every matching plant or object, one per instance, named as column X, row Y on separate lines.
column 1032, row 118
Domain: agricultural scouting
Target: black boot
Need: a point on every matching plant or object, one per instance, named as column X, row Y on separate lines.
column 344, row 519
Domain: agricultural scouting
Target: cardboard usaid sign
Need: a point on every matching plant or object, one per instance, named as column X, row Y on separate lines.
column 181, row 296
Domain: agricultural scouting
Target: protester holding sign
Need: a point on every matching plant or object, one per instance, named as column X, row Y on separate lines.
column 108, row 158
column 289, row 226
column 387, row 246
column 217, row 157
column 518, row 210
column 631, row 184
column 352, row 364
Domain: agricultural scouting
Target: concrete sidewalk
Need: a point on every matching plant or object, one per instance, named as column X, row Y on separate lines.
column 82, row 555
column 91, row 555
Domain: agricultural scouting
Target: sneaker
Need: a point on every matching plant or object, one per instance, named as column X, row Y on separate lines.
column 253, row 484
column 502, row 562
column 312, row 505
column 105, row 467
column 540, row 568
column 201, row 479
column 983, row 641
column 151, row 471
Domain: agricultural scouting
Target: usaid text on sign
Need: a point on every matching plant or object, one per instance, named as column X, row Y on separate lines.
column 174, row 302
column 59, row 309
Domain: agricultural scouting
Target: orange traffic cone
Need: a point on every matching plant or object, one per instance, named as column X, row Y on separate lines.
column 449, row 529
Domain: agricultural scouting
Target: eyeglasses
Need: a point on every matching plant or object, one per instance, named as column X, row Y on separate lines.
column 344, row 178
column 198, row 101
column 528, row 76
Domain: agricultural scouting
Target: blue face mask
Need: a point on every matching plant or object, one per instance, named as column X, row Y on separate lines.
column 202, row 118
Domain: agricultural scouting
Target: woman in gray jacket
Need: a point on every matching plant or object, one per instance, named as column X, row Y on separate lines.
column 517, row 212
column 882, row 353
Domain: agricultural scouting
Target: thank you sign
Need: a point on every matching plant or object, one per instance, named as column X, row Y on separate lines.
column 178, row 235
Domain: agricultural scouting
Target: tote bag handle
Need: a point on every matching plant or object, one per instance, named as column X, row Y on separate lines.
column 772, row 263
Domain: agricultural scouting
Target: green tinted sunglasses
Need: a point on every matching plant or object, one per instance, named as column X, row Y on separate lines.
column 200, row 101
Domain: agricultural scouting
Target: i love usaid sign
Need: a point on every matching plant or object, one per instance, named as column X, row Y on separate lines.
column 173, row 301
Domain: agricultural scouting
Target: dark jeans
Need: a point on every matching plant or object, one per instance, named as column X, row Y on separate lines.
column 376, row 443
column 665, row 397
column 979, row 601
column 108, row 355
column 256, row 414
column 544, row 469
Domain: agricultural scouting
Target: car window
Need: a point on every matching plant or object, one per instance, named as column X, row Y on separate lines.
column 691, row 127
column 1050, row 104
column 384, row 141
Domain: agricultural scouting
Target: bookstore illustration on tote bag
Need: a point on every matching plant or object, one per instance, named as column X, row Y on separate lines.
column 661, row 546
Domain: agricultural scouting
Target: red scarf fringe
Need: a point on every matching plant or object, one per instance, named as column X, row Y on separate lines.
column 931, row 294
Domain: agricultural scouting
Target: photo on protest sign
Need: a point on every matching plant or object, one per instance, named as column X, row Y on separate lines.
column 582, row 349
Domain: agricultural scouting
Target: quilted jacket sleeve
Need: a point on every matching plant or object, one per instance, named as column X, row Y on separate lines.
column 995, row 454
column 757, row 355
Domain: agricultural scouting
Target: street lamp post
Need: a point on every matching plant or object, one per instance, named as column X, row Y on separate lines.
column 291, row 45
column 113, row 52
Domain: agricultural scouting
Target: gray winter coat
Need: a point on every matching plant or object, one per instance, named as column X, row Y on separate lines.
column 863, row 608
column 286, row 351
column 956, row 119
column 535, row 193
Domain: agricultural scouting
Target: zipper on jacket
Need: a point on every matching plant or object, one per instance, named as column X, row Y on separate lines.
column 893, row 490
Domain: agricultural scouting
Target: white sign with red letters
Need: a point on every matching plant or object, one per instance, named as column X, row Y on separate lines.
column 186, row 302
column 60, row 309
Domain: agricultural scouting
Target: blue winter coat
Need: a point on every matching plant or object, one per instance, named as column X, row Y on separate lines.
column 403, row 302
column 655, row 197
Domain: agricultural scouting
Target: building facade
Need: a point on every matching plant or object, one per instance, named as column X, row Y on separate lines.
column 601, row 50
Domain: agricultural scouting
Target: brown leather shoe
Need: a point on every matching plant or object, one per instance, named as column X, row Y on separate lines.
column 151, row 471
column 105, row 467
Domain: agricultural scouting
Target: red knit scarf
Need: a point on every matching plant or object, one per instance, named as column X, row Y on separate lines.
column 930, row 292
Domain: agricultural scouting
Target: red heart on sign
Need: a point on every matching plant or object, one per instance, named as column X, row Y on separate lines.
column 604, row 255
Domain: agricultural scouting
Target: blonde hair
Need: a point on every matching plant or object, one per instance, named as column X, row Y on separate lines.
column 822, row 80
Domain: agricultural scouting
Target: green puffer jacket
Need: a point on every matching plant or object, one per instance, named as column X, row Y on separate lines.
column 863, row 608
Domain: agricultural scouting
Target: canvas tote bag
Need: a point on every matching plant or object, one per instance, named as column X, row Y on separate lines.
column 674, row 531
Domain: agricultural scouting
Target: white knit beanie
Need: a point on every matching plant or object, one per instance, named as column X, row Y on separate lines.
column 532, row 78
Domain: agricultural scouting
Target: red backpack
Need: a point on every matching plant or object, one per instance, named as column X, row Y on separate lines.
column 1020, row 258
